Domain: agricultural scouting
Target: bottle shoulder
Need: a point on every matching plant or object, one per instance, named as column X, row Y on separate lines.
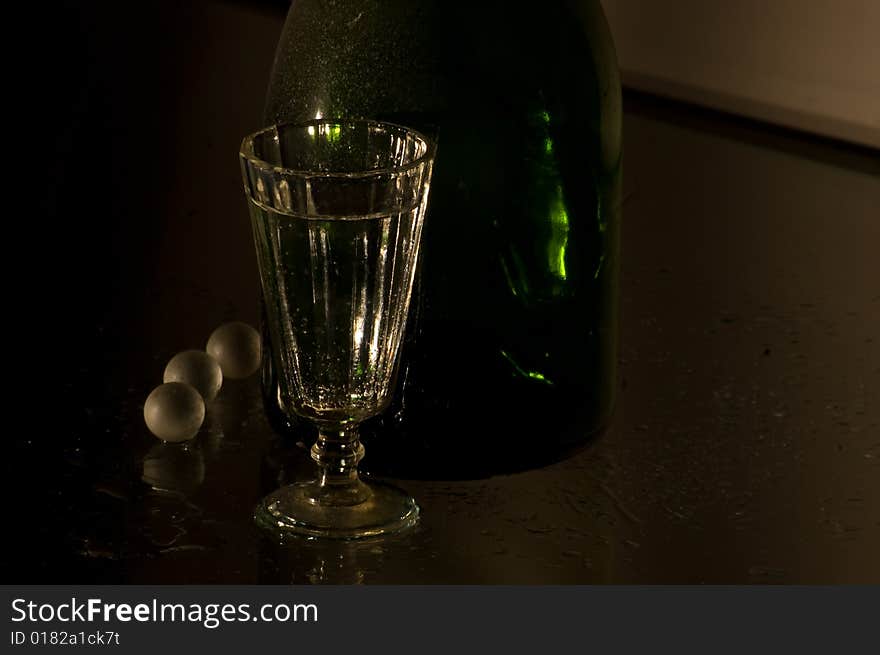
column 434, row 57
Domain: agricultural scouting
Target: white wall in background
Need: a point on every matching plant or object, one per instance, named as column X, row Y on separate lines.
column 808, row 64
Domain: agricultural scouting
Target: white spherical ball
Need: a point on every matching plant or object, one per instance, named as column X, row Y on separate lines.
column 197, row 369
column 174, row 411
column 236, row 346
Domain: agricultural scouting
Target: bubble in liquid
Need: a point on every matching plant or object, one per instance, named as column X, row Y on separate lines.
column 174, row 411
column 197, row 369
column 236, row 346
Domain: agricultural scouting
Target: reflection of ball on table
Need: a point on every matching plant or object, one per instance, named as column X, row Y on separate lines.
column 174, row 411
column 174, row 467
column 236, row 346
column 197, row 369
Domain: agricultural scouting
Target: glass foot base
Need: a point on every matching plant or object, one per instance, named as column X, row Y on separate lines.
column 302, row 509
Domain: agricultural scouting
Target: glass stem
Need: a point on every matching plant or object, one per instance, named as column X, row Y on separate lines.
column 337, row 453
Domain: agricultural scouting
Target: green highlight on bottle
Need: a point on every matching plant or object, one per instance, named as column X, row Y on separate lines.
column 558, row 240
column 557, row 214
column 532, row 375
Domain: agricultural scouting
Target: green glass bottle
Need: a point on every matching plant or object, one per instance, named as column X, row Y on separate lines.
column 511, row 344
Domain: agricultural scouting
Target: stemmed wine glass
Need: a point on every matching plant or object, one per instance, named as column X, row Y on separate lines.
column 337, row 208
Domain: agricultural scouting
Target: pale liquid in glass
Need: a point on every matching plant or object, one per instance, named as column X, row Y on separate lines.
column 337, row 293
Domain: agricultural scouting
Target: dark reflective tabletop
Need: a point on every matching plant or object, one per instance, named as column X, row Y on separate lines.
column 746, row 441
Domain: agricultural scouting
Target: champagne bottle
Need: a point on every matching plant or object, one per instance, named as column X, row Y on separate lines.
column 511, row 344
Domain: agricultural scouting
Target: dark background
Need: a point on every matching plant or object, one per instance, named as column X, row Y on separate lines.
column 746, row 445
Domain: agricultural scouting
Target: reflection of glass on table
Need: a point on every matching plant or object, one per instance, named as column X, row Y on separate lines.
column 337, row 208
